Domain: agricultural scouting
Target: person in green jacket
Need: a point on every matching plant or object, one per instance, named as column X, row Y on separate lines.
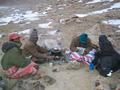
column 13, row 63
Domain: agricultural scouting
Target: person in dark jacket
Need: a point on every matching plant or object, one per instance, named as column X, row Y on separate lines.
column 30, row 48
column 13, row 63
column 107, row 60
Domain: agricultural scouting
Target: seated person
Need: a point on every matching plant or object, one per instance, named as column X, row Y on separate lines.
column 13, row 63
column 107, row 60
column 30, row 48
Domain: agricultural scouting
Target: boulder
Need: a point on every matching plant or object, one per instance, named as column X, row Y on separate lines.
column 73, row 66
column 100, row 85
column 28, row 85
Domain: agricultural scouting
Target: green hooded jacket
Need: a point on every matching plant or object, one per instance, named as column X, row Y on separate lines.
column 13, row 57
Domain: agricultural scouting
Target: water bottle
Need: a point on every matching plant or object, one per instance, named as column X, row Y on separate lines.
column 91, row 67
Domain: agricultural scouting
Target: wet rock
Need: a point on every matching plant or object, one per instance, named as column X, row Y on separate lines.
column 56, row 69
column 71, row 19
column 116, row 37
column 47, row 80
column 2, row 35
column 28, row 85
column 94, row 33
column 73, row 66
column 118, row 87
column 99, row 85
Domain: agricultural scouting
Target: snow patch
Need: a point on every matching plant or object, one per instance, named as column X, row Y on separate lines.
column 118, row 31
column 112, row 22
column 61, row 8
column 114, row 6
column 119, row 26
column 31, row 16
column 3, row 7
column 96, row 1
column 17, row 17
column 81, row 15
column 92, row 13
column 27, row 22
column 45, row 25
column 49, row 7
column 80, row 1
column 27, row 31
column 2, row 35
column 54, row 32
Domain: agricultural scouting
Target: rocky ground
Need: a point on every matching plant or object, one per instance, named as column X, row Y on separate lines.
column 61, row 20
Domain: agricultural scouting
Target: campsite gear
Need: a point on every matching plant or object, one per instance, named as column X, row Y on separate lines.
column 91, row 67
column 51, row 64
column 67, row 55
column 80, row 50
column 90, row 56
column 56, row 52
column 104, row 65
column 87, row 59
column 107, row 60
column 76, row 56
column 83, row 38
column 34, row 36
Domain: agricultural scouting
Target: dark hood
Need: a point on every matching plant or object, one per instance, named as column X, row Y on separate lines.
column 105, row 45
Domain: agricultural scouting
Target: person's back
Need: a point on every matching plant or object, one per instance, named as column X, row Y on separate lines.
column 107, row 60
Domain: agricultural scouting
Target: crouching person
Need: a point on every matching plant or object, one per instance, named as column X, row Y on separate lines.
column 13, row 63
column 82, row 49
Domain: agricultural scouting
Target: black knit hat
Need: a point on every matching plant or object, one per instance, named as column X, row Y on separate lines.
column 34, row 36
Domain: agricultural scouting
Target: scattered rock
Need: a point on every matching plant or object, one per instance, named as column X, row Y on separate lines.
column 28, row 85
column 116, row 37
column 118, row 87
column 99, row 85
column 2, row 35
column 71, row 19
column 56, row 69
column 94, row 33
column 73, row 66
column 47, row 80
